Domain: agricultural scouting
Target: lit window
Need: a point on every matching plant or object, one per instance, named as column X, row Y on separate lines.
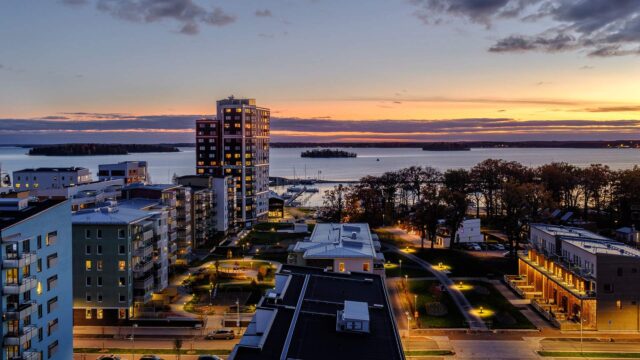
column 87, row 314
column 99, row 265
column 619, row 304
column 365, row 267
column 39, row 288
column 122, row 265
column 99, row 314
column 87, row 264
column 341, row 267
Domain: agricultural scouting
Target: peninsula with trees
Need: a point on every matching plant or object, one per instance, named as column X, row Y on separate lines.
column 98, row 149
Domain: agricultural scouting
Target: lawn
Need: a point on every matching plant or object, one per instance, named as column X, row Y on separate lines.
column 392, row 268
column 464, row 263
column 184, row 351
column 498, row 312
column 426, row 294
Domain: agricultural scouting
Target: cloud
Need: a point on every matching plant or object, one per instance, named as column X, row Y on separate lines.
column 264, row 13
column 74, row 2
column 613, row 109
column 188, row 14
column 600, row 28
column 93, row 127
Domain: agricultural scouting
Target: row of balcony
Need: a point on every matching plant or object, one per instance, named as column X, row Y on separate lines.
column 21, row 336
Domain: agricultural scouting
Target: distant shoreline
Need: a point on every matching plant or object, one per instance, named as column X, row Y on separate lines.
column 437, row 145
column 98, row 149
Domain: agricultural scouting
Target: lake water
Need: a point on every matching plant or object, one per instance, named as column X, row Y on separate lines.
column 287, row 162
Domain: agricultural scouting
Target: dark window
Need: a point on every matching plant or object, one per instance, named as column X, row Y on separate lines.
column 52, row 349
column 608, row 288
column 52, row 282
column 619, row 271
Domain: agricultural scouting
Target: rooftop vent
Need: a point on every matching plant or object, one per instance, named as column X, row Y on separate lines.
column 354, row 317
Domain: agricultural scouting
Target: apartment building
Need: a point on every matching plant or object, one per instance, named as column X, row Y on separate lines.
column 578, row 279
column 340, row 248
column 119, row 262
column 36, row 279
column 314, row 314
column 128, row 171
column 236, row 143
column 178, row 199
column 86, row 195
column 49, row 178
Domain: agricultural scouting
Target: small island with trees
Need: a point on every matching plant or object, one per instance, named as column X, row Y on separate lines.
column 98, row 149
column 327, row 153
column 446, row 146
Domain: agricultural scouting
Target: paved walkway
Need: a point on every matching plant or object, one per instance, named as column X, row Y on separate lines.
column 475, row 323
column 535, row 319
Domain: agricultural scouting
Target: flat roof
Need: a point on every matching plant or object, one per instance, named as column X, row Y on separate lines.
column 109, row 216
column 138, row 203
column 568, row 232
column 304, row 325
column 12, row 217
column 331, row 240
column 158, row 187
column 52, row 169
column 610, row 247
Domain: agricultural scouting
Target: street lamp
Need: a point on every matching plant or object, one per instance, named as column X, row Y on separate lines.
column 133, row 341
column 210, row 293
column 415, row 303
column 408, row 329
column 400, row 266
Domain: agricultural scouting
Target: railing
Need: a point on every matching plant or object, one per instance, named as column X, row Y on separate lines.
column 18, row 338
column 14, row 260
column 143, row 266
column 144, row 284
column 20, row 311
column 23, row 286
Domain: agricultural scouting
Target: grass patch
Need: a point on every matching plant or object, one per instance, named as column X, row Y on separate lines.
column 578, row 354
column 429, row 353
column 466, row 264
column 426, row 294
column 408, row 267
column 505, row 315
column 272, row 237
column 183, row 351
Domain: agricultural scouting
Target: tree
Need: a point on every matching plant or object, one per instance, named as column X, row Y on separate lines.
column 429, row 211
column 455, row 212
column 457, row 180
column 333, row 204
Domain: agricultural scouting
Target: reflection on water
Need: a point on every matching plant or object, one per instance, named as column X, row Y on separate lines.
column 370, row 161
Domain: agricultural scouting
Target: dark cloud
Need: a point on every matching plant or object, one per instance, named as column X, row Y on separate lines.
column 96, row 127
column 614, row 109
column 264, row 13
column 188, row 14
column 600, row 28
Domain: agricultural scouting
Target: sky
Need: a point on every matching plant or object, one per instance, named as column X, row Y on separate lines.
column 329, row 70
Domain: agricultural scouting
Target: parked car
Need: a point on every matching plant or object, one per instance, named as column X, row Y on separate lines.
column 496, row 246
column 472, row 247
column 209, row 357
column 109, row 357
column 221, row 334
column 150, row 357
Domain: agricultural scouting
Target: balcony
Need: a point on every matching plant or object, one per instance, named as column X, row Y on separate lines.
column 21, row 287
column 20, row 311
column 145, row 284
column 144, row 251
column 173, row 248
column 22, row 336
column 143, row 267
column 14, row 260
column 147, row 235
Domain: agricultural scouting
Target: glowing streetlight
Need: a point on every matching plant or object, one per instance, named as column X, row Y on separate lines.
column 481, row 310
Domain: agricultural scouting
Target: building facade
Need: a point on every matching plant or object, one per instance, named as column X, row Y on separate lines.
column 178, row 201
column 128, row 171
column 578, row 279
column 36, row 279
column 236, row 143
column 120, row 261
column 49, row 178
